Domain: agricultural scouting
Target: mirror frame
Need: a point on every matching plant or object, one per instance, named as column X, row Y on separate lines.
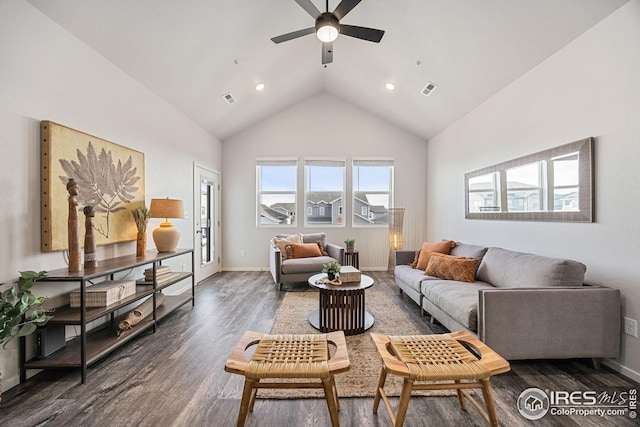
column 584, row 147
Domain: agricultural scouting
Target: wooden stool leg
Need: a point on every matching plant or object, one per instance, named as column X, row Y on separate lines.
column 461, row 397
column 331, row 400
column 254, row 391
column 244, row 404
column 487, row 395
column 404, row 401
column 381, row 381
column 334, row 391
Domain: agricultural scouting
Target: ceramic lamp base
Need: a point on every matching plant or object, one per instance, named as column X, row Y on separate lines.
column 166, row 237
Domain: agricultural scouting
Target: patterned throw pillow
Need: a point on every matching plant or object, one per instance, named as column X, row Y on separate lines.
column 429, row 248
column 450, row 267
column 324, row 253
column 414, row 264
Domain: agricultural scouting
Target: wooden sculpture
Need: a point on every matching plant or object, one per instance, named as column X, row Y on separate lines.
column 90, row 257
column 73, row 226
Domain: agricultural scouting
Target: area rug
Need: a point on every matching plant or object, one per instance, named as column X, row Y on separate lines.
column 362, row 379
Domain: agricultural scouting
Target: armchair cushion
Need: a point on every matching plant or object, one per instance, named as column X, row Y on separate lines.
column 282, row 240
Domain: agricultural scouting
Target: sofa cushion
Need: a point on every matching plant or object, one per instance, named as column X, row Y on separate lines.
column 305, row 265
column 303, row 250
column 410, row 276
column 282, row 240
column 471, row 251
column 458, row 299
column 450, row 267
column 510, row 269
column 429, row 248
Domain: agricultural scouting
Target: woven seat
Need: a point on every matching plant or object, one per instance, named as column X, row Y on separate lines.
column 437, row 358
column 292, row 357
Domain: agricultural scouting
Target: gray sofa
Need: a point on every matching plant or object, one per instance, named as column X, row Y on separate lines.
column 522, row 305
column 300, row 269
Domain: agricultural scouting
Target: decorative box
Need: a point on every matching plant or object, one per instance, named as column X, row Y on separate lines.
column 349, row 273
column 104, row 293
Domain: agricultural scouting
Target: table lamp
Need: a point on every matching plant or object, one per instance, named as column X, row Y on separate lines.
column 166, row 236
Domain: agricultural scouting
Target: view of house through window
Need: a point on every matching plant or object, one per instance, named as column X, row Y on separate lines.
column 324, row 190
column 276, row 188
column 372, row 191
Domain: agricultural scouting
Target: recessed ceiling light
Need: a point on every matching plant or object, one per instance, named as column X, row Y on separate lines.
column 390, row 86
column 259, row 87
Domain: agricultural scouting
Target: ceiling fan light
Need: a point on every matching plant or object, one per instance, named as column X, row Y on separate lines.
column 259, row 87
column 327, row 27
column 327, row 33
column 390, row 86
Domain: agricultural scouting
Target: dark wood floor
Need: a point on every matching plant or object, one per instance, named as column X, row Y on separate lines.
column 175, row 377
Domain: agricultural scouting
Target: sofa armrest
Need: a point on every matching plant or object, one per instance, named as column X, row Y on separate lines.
column 404, row 257
column 336, row 252
column 275, row 262
column 550, row 323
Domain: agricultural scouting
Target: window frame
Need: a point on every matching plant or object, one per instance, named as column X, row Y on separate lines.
column 339, row 162
column 272, row 162
column 375, row 162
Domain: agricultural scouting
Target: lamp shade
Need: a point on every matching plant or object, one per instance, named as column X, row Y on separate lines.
column 166, row 236
column 166, row 208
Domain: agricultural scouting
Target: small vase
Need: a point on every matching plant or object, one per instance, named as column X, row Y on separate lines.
column 331, row 276
column 141, row 244
column 350, row 247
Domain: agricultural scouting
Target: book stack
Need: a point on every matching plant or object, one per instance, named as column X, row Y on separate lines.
column 162, row 272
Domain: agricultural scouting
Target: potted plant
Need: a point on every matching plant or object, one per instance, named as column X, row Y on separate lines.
column 141, row 217
column 15, row 303
column 350, row 242
column 332, row 269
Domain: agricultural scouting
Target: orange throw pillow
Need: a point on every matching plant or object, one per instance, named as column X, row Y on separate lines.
column 303, row 250
column 450, row 267
column 430, row 248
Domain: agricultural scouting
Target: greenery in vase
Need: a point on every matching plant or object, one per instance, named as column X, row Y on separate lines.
column 14, row 304
column 349, row 240
column 141, row 217
column 331, row 267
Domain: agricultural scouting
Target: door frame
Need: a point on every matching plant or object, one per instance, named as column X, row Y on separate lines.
column 217, row 262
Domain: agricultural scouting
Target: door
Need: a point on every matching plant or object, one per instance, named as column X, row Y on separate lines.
column 206, row 217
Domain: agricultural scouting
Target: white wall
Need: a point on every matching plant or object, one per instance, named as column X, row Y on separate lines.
column 591, row 87
column 47, row 74
column 322, row 125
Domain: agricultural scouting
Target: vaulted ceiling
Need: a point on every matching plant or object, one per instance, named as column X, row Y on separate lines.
column 192, row 52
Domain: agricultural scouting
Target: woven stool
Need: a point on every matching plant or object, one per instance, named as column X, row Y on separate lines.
column 289, row 356
column 442, row 358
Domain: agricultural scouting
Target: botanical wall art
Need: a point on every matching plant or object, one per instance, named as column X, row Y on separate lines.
column 110, row 178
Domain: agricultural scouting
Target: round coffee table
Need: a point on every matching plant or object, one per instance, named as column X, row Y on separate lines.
column 341, row 307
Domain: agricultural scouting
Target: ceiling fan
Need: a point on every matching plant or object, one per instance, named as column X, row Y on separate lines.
column 328, row 27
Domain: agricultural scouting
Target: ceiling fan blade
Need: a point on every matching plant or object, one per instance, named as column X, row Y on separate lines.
column 327, row 53
column 309, row 7
column 345, row 7
column 293, row 35
column 364, row 33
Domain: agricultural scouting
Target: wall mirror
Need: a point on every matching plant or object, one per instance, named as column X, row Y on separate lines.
column 552, row 185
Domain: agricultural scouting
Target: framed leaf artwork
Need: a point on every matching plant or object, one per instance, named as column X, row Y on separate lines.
column 110, row 178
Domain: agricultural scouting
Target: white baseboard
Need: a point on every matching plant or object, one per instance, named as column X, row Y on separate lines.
column 621, row 369
column 244, row 269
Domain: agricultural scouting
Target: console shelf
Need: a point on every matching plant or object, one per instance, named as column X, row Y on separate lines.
column 91, row 346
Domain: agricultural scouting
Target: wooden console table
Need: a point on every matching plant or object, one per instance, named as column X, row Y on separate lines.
column 341, row 307
column 352, row 258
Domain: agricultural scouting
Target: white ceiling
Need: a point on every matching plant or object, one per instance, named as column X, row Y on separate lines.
column 192, row 52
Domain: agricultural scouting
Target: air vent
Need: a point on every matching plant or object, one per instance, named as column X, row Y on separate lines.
column 430, row 87
column 229, row 98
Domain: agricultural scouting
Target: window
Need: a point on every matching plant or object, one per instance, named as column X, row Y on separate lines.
column 276, row 191
column 372, row 191
column 324, row 190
